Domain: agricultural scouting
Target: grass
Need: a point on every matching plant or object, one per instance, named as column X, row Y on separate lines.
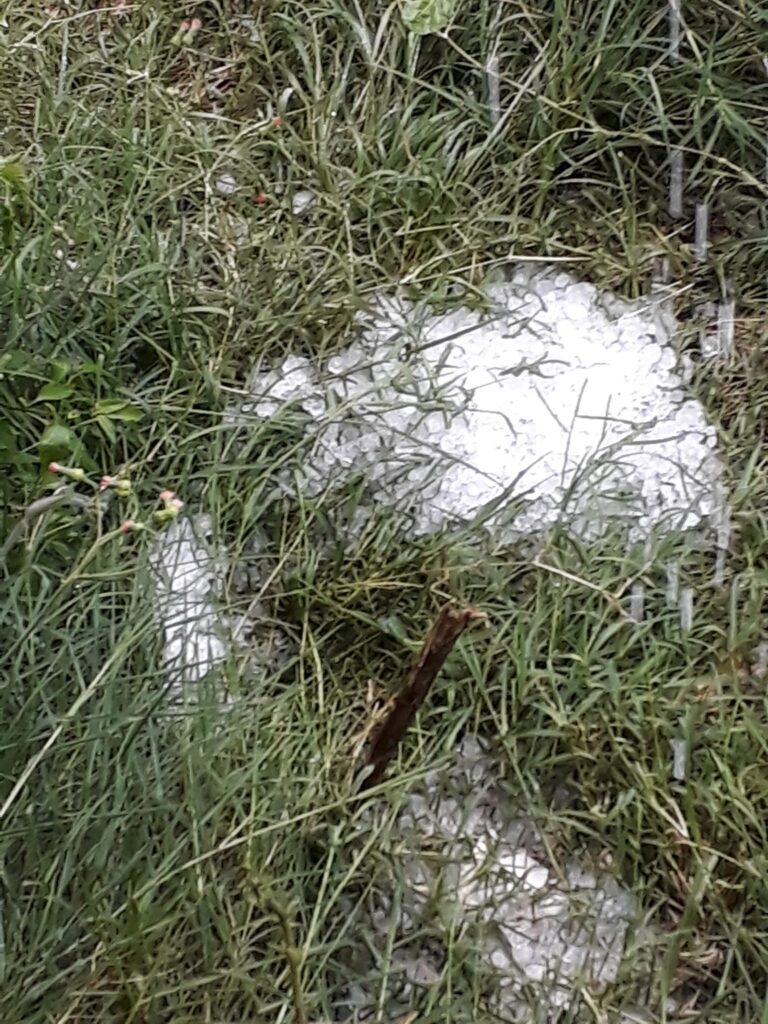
column 195, row 867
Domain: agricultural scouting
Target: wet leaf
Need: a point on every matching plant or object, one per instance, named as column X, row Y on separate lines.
column 117, row 409
column 57, row 444
column 53, row 392
column 424, row 16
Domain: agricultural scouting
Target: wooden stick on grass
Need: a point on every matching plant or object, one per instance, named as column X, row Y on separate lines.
column 449, row 626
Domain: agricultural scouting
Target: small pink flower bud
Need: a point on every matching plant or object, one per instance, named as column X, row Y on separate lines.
column 166, row 495
column 127, row 526
column 176, row 503
column 106, row 481
column 54, row 467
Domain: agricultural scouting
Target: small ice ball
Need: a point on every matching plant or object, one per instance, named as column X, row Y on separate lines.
column 226, row 185
column 302, row 202
column 337, row 365
column 314, row 406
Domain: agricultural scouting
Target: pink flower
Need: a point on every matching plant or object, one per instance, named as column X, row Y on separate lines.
column 166, row 495
column 260, row 199
column 106, row 481
column 277, row 121
column 176, row 503
column 54, row 467
column 127, row 526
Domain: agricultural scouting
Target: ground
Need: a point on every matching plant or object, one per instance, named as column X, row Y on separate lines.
column 159, row 867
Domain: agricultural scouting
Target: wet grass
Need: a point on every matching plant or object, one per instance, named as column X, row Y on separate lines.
column 193, row 867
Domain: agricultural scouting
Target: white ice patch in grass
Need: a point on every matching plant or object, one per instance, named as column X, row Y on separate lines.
column 475, row 877
column 199, row 633
column 557, row 404
column 186, row 574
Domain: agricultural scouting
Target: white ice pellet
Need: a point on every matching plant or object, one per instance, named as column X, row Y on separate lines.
column 686, row 609
column 494, row 91
column 302, row 202
column 676, row 171
column 760, row 666
column 636, row 602
column 701, row 237
column 675, row 31
column 679, row 759
column 722, row 543
column 537, row 877
column 726, row 322
column 499, row 958
column 226, row 185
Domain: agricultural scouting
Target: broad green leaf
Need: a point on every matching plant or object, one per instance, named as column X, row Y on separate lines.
column 57, row 444
column 58, row 436
column 53, row 392
column 423, row 16
column 108, row 427
column 117, row 409
column 128, row 414
column 60, row 370
column 109, row 406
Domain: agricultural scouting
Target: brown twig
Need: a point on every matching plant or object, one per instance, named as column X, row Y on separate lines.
column 449, row 626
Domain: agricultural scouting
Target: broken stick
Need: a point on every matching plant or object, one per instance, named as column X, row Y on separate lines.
column 449, row 626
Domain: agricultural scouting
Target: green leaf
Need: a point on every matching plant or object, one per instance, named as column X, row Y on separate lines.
column 106, row 425
column 59, row 370
column 14, row 181
column 129, row 414
column 423, row 16
column 53, row 392
column 8, row 441
column 393, row 626
column 58, row 436
column 117, row 409
column 18, row 362
column 57, row 444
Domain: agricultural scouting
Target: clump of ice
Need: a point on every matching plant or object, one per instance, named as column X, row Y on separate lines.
column 189, row 578
column 564, row 399
column 187, row 574
column 474, row 876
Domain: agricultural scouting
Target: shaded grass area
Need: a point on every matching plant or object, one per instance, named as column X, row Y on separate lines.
column 152, row 863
